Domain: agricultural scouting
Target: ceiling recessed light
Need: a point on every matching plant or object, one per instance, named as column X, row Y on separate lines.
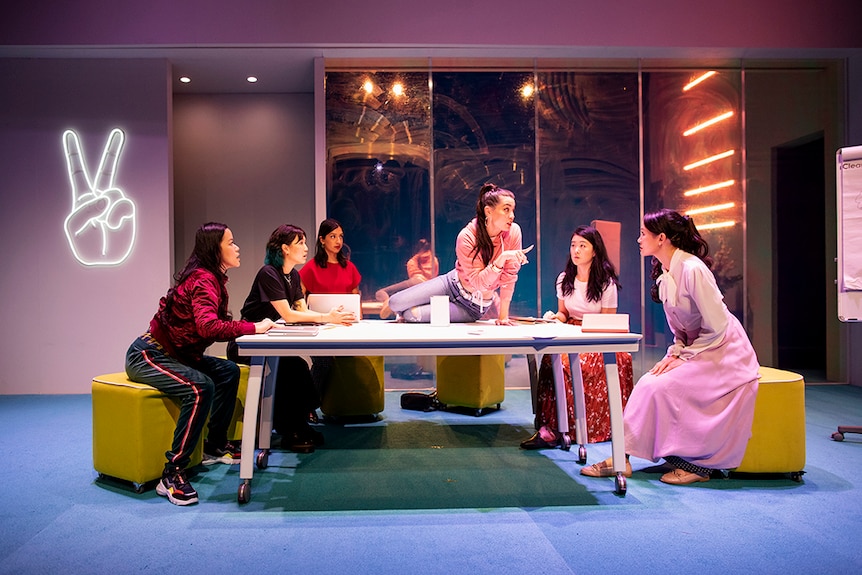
column 252, row 79
column 185, row 79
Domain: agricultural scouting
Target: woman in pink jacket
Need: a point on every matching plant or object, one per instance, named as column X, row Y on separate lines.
column 488, row 256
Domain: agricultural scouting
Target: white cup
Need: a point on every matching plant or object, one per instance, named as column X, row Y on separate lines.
column 440, row 310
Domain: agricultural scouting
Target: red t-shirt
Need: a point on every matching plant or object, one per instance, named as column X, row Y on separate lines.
column 331, row 279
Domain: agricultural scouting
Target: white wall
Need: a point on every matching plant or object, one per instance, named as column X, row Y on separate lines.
column 64, row 322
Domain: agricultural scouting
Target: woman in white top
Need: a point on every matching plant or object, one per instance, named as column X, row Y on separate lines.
column 694, row 408
column 589, row 284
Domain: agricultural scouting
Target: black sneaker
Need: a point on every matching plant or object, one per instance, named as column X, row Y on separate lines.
column 229, row 454
column 177, row 488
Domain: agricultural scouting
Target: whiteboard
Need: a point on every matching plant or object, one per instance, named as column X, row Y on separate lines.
column 848, row 179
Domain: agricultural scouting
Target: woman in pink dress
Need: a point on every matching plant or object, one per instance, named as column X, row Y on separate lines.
column 694, row 408
column 588, row 285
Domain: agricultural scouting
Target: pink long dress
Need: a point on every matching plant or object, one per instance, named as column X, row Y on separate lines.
column 702, row 410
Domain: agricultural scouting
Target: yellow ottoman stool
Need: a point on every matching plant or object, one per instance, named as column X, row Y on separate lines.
column 355, row 387
column 777, row 443
column 473, row 381
column 133, row 427
column 234, row 430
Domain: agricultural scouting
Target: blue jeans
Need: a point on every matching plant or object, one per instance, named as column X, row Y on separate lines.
column 204, row 389
column 414, row 303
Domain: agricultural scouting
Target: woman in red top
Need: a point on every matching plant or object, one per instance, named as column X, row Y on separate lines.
column 331, row 270
column 170, row 357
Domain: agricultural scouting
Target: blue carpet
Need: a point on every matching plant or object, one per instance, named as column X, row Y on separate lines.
column 425, row 493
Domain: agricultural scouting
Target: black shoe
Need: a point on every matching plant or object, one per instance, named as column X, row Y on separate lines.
column 177, row 488
column 315, row 436
column 536, row 442
column 297, row 443
column 229, row 454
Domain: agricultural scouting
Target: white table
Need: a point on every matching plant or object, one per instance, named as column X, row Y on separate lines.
column 386, row 338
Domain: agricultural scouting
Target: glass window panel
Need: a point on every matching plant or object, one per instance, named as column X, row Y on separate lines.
column 693, row 164
column 378, row 157
column 589, row 170
column 484, row 132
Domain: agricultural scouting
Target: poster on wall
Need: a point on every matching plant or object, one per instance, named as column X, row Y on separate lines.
column 849, row 201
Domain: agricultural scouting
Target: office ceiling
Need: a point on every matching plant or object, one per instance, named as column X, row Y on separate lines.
column 290, row 69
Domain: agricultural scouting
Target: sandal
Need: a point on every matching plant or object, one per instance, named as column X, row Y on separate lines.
column 605, row 469
column 682, row 477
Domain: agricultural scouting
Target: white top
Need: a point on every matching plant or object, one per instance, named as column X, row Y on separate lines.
column 576, row 302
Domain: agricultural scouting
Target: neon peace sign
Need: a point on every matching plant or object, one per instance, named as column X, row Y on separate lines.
column 102, row 223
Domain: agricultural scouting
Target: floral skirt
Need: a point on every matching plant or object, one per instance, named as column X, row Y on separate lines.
column 595, row 393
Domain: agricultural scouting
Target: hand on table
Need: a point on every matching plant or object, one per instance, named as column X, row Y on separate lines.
column 338, row 315
column 264, row 326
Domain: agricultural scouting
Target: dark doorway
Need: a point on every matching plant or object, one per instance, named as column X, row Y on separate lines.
column 799, row 236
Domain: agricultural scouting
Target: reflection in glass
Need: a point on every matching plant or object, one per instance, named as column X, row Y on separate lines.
column 588, row 153
column 693, row 164
column 405, row 162
column 484, row 132
column 378, row 156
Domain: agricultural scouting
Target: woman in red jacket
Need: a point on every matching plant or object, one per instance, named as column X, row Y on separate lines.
column 170, row 357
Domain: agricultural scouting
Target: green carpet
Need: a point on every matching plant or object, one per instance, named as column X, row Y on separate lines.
column 416, row 465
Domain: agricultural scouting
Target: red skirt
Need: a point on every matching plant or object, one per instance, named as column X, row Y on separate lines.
column 595, row 393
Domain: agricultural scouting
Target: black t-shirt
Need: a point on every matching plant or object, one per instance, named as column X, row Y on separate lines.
column 269, row 285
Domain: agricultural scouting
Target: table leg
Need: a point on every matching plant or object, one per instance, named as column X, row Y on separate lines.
column 264, row 427
column 249, row 429
column 580, row 405
column 618, row 439
column 260, row 372
column 560, row 393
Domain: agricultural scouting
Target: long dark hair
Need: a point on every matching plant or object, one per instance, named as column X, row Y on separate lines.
column 283, row 234
column 320, row 256
column 602, row 271
column 207, row 255
column 681, row 233
column 489, row 195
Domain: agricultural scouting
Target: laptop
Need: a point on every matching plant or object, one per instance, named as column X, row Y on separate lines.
column 324, row 302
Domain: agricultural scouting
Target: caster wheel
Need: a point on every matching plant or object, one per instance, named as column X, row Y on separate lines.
column 838, row 436
column 262, row 459
column 243, row 495
column 565, row 442
column 797, row 476
column 582, row 454
column 139, row 487
column 621, row 484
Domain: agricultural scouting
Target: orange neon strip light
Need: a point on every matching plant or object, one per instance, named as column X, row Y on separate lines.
column 717, row 225
column 709, row 188
column 708, row 209
column 708, row 123
column 709, row 160
column 698, row 80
